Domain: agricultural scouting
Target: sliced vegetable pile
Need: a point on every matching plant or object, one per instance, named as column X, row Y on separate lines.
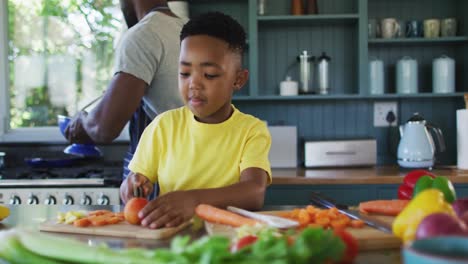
column 433, row 209
column 93, row 218
column 326, row 218
column 312, row 245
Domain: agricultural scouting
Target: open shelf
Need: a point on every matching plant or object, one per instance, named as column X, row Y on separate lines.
column 292, row 20
column 344, row 96
column 442, row 40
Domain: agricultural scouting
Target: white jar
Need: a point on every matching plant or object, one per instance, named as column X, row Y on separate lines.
column 289, row 87
column 376, row 76
column 407, row 76
column 443, row 75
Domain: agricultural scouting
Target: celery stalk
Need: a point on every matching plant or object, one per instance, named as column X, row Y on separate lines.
column 13, row 251
column 70, row 250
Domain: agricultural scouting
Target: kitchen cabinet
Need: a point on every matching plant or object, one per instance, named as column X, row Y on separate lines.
column 349, row 194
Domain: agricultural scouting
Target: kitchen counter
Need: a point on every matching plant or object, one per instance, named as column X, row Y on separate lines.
column 31, row 215
column 368, row 175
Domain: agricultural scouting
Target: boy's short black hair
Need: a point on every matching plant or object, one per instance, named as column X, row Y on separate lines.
column 218, row 25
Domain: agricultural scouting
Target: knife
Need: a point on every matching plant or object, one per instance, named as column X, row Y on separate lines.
column 369, row 220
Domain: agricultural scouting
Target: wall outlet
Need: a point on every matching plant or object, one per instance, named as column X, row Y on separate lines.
column 382, row 110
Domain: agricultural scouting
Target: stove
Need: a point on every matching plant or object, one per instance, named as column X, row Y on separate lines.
column 81, row 185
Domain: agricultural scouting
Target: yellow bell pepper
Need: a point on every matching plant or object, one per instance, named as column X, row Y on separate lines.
column 425, row 203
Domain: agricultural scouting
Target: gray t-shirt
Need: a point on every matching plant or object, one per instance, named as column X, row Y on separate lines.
column 150, row 51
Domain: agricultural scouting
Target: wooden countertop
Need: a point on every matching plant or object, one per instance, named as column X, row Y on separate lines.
column 368, row 175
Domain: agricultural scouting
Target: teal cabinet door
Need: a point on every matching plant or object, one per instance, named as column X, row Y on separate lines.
column 300, row 194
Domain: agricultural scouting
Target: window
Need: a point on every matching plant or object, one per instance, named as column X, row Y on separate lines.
column 55, row 57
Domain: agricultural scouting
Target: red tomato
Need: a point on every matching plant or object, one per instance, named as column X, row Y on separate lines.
column 405, row 192
column 413, row 176
column 351, row 243
column 243, row 242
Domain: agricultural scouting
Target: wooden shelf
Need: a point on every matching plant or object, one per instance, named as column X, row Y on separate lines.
column 293, row 20
column 442, row 40
column 344, row 97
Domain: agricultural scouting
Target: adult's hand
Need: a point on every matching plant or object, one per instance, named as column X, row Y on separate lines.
column 105, row 122
column 75, row 131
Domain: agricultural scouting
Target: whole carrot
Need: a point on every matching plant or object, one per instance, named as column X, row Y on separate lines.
column 219, row 216
column 385, row 207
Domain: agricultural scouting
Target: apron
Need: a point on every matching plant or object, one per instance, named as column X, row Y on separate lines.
column 139, row 121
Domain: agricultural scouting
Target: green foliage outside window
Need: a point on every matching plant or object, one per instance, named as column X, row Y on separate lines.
column 99, row 16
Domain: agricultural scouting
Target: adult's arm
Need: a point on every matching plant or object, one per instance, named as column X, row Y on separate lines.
column 105, row 122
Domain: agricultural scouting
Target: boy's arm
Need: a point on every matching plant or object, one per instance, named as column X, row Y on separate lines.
column 176, row 207
column 248, row 193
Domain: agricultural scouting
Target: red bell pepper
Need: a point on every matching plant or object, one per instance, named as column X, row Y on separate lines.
column 405, row 190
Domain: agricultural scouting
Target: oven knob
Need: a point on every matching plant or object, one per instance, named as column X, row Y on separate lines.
column 50, row 200
column 68, row 200
column 103, row 200
column 15, row 200
column 33, row 199
column 86, row 200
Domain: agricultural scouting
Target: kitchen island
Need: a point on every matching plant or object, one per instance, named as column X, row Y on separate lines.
column 30, row 216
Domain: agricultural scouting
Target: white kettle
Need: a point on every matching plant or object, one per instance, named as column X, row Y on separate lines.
column 416, row 148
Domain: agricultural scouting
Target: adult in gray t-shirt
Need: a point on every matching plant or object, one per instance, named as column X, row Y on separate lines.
column 150, row 52
column 145, row 77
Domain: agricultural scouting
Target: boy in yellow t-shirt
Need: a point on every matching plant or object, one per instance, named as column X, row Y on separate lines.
column 207, row 151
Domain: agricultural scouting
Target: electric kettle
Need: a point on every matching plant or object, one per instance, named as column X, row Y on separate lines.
column 416, row 148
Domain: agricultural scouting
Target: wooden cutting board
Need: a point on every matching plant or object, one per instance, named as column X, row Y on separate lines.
column 123, row 229
column 368, row 238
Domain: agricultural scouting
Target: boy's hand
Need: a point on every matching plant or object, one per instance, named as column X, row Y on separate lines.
column 169, row 210
column 135, row 180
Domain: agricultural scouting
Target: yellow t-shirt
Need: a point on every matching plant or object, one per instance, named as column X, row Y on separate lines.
column 181, row 153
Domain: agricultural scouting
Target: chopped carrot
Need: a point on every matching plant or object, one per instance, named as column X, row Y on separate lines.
column 304, row 217
column 99, row 212
column 83, row 222
column 357, row 223
column 385, row 207
column 114, row 220
column 339, row 224
column 220, row 216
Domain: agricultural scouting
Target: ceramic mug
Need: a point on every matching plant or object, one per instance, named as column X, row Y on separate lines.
column 431, row 28
column 389, row 28
column 448, row 27
column 414, row 29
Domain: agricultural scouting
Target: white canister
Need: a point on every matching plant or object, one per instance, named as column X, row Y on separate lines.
column 443, row 75
column 289, row 87
column 376, row 76
column 407, row 76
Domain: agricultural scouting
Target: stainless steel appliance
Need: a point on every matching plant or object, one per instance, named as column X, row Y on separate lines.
column 306, row 62
column 340, row 153
column 323, row 73
column 80, row 185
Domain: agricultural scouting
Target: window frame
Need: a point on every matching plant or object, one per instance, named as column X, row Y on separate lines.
column 26, row 134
